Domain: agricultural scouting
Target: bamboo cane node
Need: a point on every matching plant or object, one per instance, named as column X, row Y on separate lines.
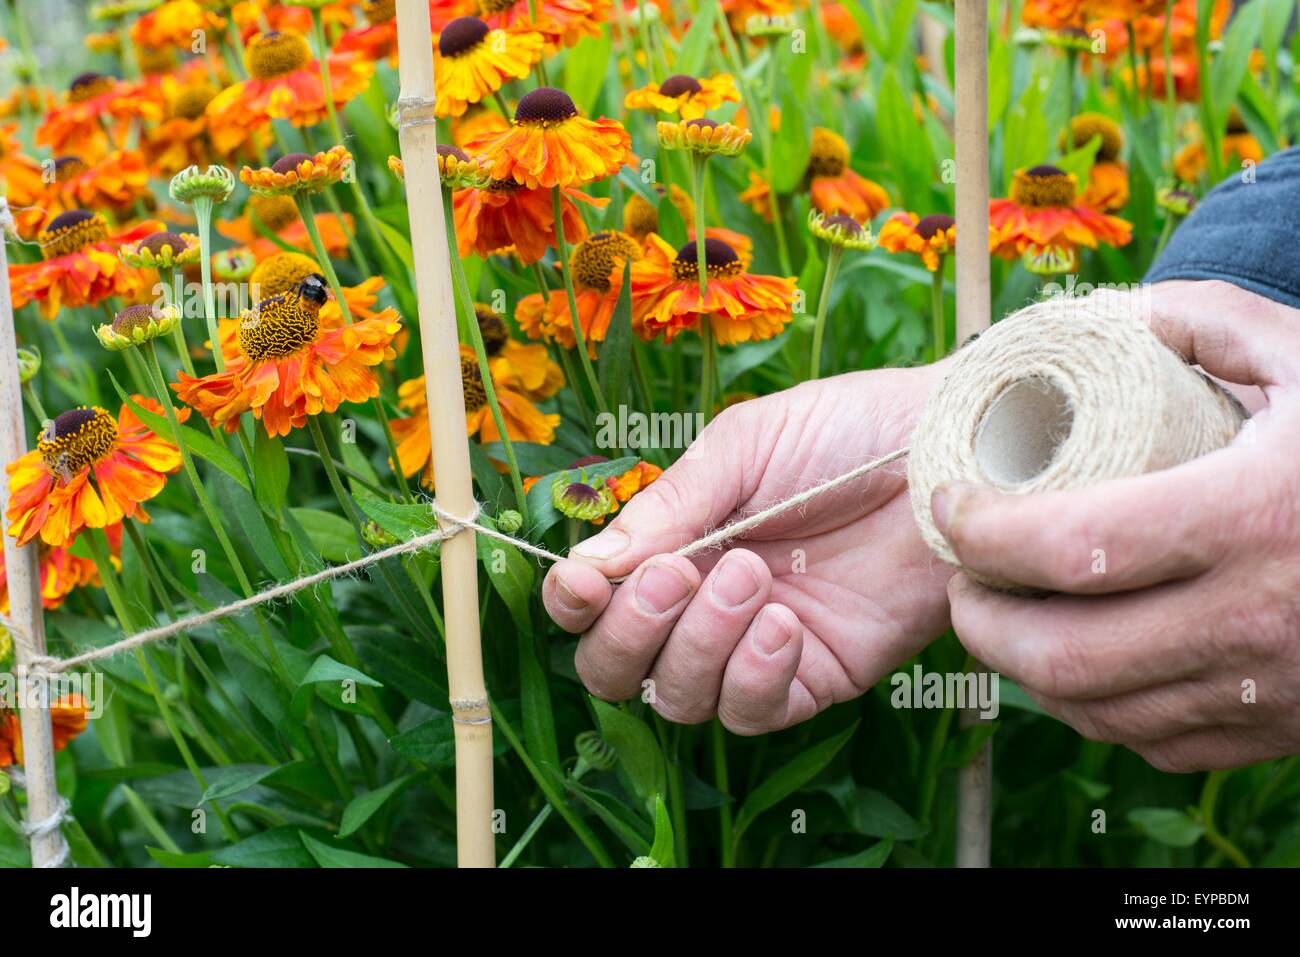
column 470, row 711
column 415, row 111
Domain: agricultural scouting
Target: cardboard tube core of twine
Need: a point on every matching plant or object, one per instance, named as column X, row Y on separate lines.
column 1062, row 395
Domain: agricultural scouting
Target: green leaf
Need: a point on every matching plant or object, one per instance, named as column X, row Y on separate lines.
column 511, row 575
column 198, row 443
column 233, row 779
column 402, row 521
column 333, row 535
column 615, row 367
column 1228, row 69
column 173, row 859
column 790, row 778
column 398, row 242
column 662, row 849
column 362, row 807
column 627, row 826
column 535, row 704
column 638, row 751
column 325, row 668
column 270, row 471
column 540, row 509
column 962, row 747
column 1079, row 161
column 1167, row 826
column 278, row 847
column 327, row 856
column 585, row 67
column 876, row 814
column 432, row 743
column 790, row 150
column 874, row 856
column 896, row 125
column 695, row 45
column 674, row 230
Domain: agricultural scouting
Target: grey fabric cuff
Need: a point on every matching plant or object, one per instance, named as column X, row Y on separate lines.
column 1243, row 232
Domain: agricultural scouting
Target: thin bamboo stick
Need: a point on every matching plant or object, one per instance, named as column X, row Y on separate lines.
column 49, row 849
column 417, row 133
column 974, row 305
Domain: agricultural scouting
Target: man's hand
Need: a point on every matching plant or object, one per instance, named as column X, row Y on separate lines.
column 815, row 606
column 1186, row 647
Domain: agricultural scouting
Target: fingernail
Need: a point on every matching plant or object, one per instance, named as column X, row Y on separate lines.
column 607, row 544
column 660, row 587
column 735, row 583
column 565, row 595
column 772, row 633
column 942, row 501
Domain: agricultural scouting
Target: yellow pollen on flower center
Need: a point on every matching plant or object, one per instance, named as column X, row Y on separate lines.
column 76, row 439
column 192, row 100
column 379, row 11
column 274, row 54
column 1043, row 186
column 277, row 327
column 472, row 382
column 71, row 232
column 87, row 86
column 281, row 273
column 829, row 154
column 275, row 212
column 594, row 258
column 1087, row 125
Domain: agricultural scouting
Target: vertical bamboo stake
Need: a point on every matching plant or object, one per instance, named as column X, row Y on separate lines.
column 971, row 41
column 43, row 803
column 418, row 135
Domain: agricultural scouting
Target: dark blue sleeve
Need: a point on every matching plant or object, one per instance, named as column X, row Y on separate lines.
column 1247, row 233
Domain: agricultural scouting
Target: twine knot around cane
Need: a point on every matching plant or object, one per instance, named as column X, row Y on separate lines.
column 47, row 826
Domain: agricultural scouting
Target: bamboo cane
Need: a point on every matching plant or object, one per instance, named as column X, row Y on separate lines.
column 43, row 802
column 971, row 65
column 417, row 132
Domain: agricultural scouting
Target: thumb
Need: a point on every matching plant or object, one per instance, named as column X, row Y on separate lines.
column 697, row 493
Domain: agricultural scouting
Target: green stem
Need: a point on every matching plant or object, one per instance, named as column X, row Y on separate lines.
column 553, row 795
column 97, row 542
column 579, row 770
column 203, row 218
column 708, row 375
column 833, row 257
column 778, row 219
column 464, row 302
column 1209, row 796
column 332, row 474
column 938, row 325
column 34, row 403
column 308, row 213
column 722, row 783
column 150, row 822
column 579, row 334
column 168, row 276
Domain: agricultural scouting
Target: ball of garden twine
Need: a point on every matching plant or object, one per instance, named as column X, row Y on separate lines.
column 1062, row 395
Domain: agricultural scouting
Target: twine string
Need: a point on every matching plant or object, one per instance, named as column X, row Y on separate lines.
column 449, row 526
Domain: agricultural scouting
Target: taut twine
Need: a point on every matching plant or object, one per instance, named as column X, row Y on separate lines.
column 450, row 525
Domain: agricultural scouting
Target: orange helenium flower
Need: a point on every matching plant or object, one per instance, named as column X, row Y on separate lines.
column 472, row 62
column 685, row 95
column 173, row 24
column 549, row 144
column 96, row 115
column 741, row 307
column 596, row 265
column 81, row 267
column 67, row 718
column 284, row 84
column 505, row 217
column 1044, row 214
column 931, row 237
column 524, row 421
column 562, row 22
column 88, row 471
column 284, row 363
column 114, row 182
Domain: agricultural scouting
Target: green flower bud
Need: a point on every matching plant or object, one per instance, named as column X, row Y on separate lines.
column 509, row 521
column 216, row 182
column 581, row 500
column 29, row 363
